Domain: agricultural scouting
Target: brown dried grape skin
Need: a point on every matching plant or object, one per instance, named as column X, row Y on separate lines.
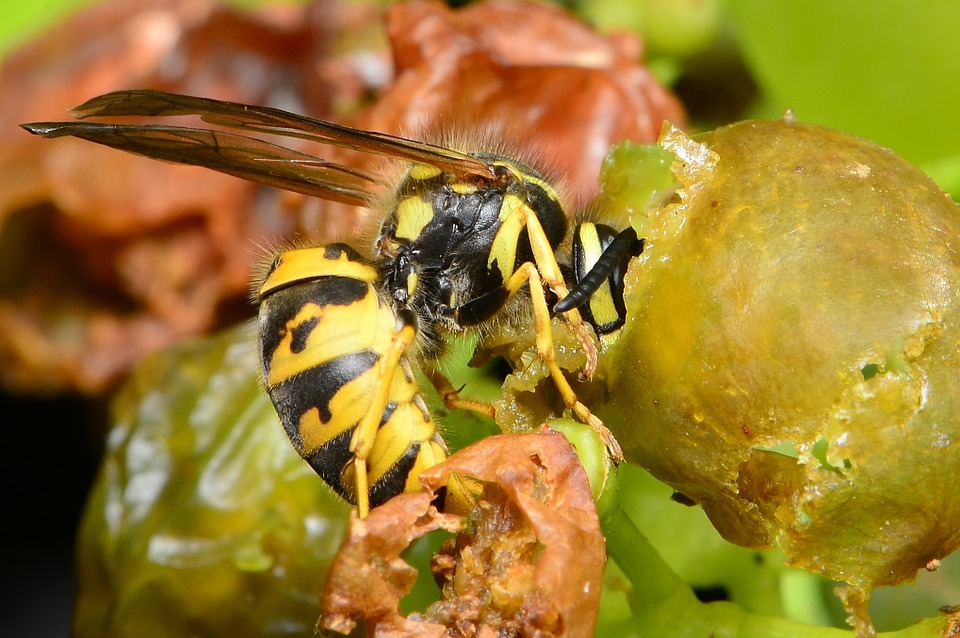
column 541, row 475
column 118, row 256
column 565, row 100
column 533, row 557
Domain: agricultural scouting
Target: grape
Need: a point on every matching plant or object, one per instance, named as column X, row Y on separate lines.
column 790, row 359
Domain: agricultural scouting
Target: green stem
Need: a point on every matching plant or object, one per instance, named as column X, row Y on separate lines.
column 664, row 606
column 654, row 583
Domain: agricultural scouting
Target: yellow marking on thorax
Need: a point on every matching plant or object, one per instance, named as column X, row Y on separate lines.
column 503, row 249
column 529, row 178
column 413, row 214
column 513, row 168
column 422, row 172
column 463, row 188
column 307, row 263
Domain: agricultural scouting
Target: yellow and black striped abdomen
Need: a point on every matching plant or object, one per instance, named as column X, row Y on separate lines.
column 324, row 333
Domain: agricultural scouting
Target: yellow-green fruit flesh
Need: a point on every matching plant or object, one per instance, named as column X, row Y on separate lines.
column 791, row 358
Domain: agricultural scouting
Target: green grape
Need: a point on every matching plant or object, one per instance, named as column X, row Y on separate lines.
column 203, row 521
column 791, row 355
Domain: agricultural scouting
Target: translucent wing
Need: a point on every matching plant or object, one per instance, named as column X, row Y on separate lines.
column 246, row 156
column 238, row 155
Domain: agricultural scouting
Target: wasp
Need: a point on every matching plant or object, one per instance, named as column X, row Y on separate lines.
column 468, row 238
column 333, row 357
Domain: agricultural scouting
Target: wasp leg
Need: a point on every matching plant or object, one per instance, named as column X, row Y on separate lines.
column 549, row 272
column 366, row 431
column 451, row 397
column 518, row 218
column 544, row 340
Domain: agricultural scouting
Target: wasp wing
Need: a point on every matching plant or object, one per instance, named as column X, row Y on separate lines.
column 275, row 121
column 238, row 155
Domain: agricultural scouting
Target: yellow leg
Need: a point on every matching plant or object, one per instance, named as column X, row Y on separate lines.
column 549, row 271
column 544, row 340
column 366, row 432
column 451, row 397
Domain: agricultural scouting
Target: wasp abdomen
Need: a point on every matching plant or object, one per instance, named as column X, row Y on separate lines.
column 324, row 335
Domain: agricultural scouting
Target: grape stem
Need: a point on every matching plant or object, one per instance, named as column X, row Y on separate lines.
column 663, row 605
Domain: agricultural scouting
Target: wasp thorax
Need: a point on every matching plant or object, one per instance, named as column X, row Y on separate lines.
column 450, row 242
